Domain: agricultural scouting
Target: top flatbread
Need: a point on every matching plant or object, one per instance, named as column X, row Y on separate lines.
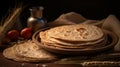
column 77, row 32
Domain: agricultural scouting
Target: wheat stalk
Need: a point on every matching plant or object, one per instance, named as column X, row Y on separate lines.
column 9, row 21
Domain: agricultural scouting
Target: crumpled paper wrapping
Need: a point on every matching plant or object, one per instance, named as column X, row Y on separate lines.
column 67, row 19
column 113, row 24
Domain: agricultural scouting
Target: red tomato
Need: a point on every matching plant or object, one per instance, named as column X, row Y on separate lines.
column 26, row 33
column 13, row 34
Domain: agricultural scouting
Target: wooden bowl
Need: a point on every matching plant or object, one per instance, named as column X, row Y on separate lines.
column 112, row 41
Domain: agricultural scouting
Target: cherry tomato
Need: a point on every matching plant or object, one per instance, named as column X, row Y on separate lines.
column 26, row 33
column 13, row 34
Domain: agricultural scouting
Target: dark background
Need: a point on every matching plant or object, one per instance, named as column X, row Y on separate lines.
column 91, row 9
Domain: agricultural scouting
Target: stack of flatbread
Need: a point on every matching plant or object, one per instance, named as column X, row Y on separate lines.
column 28, row 51
column 77, row 36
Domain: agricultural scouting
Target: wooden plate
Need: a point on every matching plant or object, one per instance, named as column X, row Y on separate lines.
column 112, row 40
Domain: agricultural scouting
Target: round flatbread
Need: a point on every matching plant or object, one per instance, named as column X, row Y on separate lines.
column 28, row 51
column 10, row 54
column 77, row 33
column 31, row 50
